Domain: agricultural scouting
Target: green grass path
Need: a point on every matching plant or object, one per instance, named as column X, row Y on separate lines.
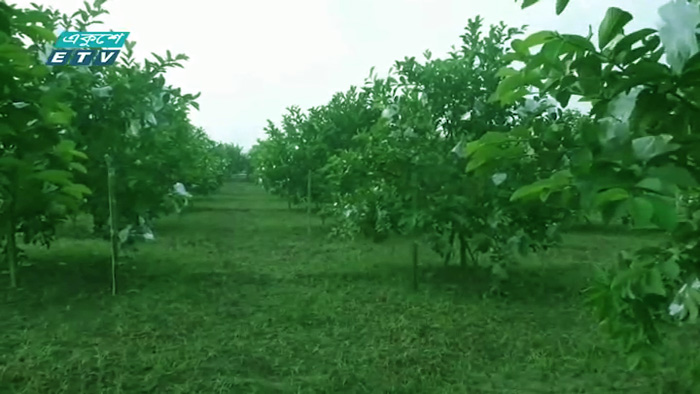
column 235, row 297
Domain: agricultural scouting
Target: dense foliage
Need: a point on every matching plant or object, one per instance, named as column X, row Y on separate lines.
column 639, row 157
column 59, row 125
column 475, row 152
column 382, row 158
column 391, row 157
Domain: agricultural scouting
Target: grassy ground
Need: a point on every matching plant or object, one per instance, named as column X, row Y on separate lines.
column 235, row 297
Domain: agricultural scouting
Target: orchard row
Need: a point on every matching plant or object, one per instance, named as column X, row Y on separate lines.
column 475, row 154
column 64, row 128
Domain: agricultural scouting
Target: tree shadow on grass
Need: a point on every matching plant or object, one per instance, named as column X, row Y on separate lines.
column 199, row 208
column 523, row 284
column 51, row 282
column 614, row 230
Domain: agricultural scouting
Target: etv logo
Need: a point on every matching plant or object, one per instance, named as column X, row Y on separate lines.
column 77, row 48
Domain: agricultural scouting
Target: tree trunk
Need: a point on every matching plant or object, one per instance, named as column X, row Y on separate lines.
column 462, row 250
column 450, row 245
column 11, row 247
column 308, row 203
column 414, row 256
column 12, row 251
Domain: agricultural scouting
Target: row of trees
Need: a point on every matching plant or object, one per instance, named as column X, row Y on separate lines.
column 63, row 128
column 639, row 158
column 388, row 157
column 476, row 150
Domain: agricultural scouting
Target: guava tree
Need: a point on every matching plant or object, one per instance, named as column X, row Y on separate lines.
column 235, row 160
column 273, row 162
column 64, row 128
column 37, row 160
column 639, row 157
column 129, row 113
column 418, row 175
column 380, row 156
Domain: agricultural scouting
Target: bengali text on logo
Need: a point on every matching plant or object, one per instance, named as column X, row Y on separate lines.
column 87, row 48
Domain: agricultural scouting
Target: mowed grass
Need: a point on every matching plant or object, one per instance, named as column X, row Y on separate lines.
column 235, row 297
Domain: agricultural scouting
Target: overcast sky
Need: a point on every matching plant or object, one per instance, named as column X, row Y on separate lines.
column 252, row 59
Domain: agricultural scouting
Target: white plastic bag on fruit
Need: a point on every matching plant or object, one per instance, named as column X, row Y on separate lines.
column 678, row 31
column 148, row 234
column 677, row 307
column 180, row 190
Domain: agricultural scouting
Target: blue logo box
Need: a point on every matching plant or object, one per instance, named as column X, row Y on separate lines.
column 83, row 57
column 85, row 39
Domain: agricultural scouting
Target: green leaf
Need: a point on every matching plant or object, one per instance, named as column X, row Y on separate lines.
column 646, row 71
column 691, row 70
column 626, row 43
column 506, row 72
column 531, row 191
column 76, row 190
column 6, row 130
column 545, row 195
column 642, row 211
column 589, row 69
column 633, row 55
column 66, row 149
column 665, row 213
column 581, row 159
column 79, row 154
column 512, row 96
column 78, row 167
column 578, row 43
column 561, row 178
column 675, row 175
column 12, row 162
column 527, row 3
column 58, row 177
column 19, row 56
column 5, row 18
column 623, row 52
column 588, row 66
column 509, row 84
column 611, row 195
column 671, row 269
column 520, row 47
column 538, row 38
column 563, row 97
column 652, row 184
column 692, row 65
column 557, row 181
column 613, row 24
column 475, row 163
column 561, row 6
column 613, row 210
column 38, row 33
column 654, row 283
column 62, row 118
column 494, row 137
column 513, row 56
column 469, row 149
column 551, row 52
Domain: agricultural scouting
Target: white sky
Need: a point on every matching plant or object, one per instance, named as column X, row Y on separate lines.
column 252, row 59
